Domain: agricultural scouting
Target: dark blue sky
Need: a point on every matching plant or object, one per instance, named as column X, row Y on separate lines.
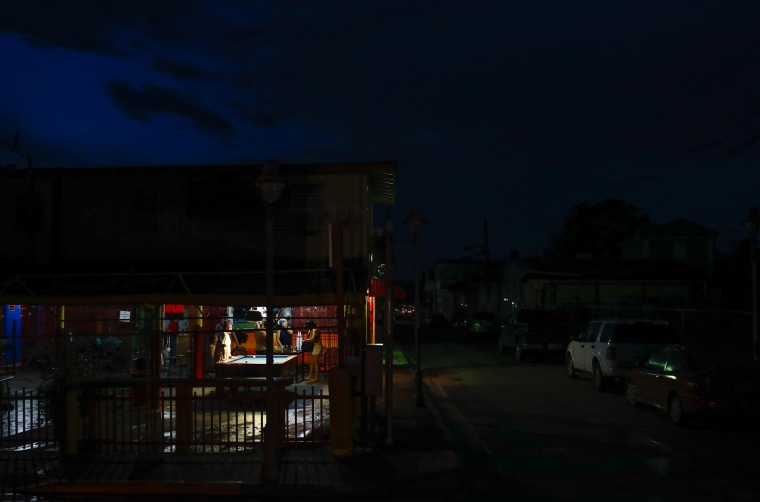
column 505, row 111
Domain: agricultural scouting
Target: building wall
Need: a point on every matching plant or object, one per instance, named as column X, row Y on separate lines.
column 137, row 215
column 698, row 252
column 618, row 293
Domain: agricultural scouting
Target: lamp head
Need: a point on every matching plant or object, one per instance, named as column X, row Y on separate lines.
column 269, row 182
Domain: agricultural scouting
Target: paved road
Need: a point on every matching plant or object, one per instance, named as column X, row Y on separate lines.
column 528, row 430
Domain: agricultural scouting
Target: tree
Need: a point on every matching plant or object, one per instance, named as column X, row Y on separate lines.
column 596, row 230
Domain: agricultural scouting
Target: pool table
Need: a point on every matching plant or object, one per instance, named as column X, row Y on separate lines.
column 285, row 365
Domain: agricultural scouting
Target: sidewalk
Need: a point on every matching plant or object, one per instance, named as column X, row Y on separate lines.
column 415, row 463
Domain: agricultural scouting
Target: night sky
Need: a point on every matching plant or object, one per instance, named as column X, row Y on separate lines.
column 509, row 112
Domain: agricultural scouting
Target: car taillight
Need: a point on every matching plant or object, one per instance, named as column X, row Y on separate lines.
column 611, row 353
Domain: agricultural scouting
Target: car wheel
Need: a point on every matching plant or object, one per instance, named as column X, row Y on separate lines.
column 600, row 383
column 570, row 367
column 678, row 415
column 630, row 393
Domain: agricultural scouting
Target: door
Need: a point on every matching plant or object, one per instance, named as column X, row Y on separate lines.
column 650, row 379
column 586, row 346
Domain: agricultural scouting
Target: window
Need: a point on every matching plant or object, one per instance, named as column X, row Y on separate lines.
column 679, row 251
column 589, row 334
column 657, row 361
column 674, row 361
column 607, row 332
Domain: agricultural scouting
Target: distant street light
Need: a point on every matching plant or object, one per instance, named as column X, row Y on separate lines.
column 751, row 224
column 415, row 221
column 270, row 186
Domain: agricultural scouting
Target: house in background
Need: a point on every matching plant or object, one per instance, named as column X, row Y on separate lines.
column 678, row 240
column 616, row 282
column 454, row 287
column 665, row 265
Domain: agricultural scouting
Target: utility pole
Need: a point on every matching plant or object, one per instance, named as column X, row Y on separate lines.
column 388, row 341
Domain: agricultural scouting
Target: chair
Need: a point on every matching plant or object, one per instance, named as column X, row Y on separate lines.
column 328, row 359
column 178, row 361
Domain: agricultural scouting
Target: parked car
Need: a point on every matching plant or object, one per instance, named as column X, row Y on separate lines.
column 609, row 348
column 686, row 382
column 535, row 331
column 435, row 327
column 458, row 318
column 480, row 323
column 436, row 321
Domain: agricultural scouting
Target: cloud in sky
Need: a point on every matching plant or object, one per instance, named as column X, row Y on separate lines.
column 505, row 111
column 142, row 103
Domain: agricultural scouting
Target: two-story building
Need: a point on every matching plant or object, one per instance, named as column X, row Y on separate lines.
column 194, row 238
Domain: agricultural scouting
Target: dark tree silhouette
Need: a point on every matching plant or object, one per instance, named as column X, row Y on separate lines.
column 596, row 230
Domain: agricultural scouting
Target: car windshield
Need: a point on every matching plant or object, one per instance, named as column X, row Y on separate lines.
column 644, row 332
column 704, row 359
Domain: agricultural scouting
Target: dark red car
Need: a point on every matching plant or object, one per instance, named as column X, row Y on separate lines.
column 685, row 382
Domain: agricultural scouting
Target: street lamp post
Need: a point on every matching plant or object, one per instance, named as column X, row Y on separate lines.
column 388, row 342
column 751, row 224
column 270, row 187
column 415, row 221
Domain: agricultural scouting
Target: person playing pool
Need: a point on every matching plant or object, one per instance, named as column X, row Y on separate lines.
column 224, row 341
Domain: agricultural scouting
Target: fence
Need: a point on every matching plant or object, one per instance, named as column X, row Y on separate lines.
column 168, row 416
column 24, row 426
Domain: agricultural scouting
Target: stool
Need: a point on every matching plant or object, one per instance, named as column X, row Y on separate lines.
column 178, row 361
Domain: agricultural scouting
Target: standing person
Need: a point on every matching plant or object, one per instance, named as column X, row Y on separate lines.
column 173, row 326
column 218, row 331
column 261, row 338
column 220, row 325
column 223, row 348
column 285, row 334
column 316, row 338
column 224, row 341
column 170, row 340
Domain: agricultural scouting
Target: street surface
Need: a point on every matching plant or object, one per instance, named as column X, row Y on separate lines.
column 529, row 432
